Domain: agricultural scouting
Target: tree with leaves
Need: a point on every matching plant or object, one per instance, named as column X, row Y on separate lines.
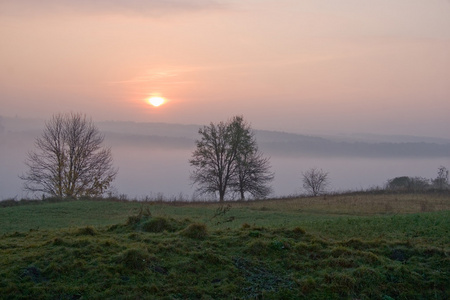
column 406, row 183
column 315, row 181
column 69, row 160
column 227, row 160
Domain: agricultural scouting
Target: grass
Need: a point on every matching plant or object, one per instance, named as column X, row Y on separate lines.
column 343, row 246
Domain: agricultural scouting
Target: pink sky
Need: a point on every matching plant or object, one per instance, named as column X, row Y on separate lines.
column 322, row 66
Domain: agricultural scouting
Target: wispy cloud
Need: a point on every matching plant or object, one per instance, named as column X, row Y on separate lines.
column 149, row 8
column 174, row 75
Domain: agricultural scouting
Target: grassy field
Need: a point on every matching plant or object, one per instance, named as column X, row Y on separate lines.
column 354, row 246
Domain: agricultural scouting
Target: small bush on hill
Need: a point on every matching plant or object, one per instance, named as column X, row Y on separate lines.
column 158, row 224
column 195, row 231
column 88, row 230
column 134, row 259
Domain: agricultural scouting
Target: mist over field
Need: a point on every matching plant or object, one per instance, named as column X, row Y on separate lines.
column 153, row 157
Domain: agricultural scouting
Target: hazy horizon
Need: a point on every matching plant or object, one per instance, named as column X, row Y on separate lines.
column 152, row 158
column 334, row 66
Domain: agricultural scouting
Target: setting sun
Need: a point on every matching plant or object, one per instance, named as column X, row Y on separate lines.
column 156, row 101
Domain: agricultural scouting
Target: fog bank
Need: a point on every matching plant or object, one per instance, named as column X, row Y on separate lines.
column 153, row 158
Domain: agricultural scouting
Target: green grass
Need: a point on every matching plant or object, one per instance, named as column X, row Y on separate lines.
column 283, row 249
column 64, row 214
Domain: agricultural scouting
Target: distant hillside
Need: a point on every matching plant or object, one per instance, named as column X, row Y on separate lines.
column 276, row 143
column 324, row 147
column 178, row 136
column 147, row 129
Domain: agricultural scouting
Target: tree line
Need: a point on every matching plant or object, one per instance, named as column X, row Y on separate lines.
column 417, row 184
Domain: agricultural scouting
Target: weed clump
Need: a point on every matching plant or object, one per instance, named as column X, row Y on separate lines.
column 88, row 230
column 134, row 259
column 257, row 247
column 32, row 273
column 254, row 234
column 308, row 284
column 279, row 245
column 341, row 251
column 133, row 220
column 143, row 214
column 58, row 241
column 246, row 226
column 195, row 231
column 299, row 231
column 158, row 224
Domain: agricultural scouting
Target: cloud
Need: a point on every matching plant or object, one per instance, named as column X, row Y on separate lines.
column 146, row 8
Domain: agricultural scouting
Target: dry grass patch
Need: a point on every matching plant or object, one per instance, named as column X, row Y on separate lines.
column 356, row 204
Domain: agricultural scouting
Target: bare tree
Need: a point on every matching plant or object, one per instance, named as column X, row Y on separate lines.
column 227, row 159
column 441, row 181
column 69, row 160
column 214, row 160
column 253, row 176
column 252, row 168
column 315, row 181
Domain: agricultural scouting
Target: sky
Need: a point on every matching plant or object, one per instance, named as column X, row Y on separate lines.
column 313, row 66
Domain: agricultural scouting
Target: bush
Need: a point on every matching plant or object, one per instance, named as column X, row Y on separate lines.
column 405, row 183
column 134, row 259
column 195, row 231
column 158, row 224
column 133, row 220
column 299, row 230
column 257, row 247
column 88, row 230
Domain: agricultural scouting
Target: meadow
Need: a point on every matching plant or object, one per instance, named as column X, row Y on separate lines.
column 347, row 246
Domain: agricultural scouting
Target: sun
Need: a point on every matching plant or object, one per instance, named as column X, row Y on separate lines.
column 156, row 101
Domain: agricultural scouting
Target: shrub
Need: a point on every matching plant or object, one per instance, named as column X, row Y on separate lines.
column 133, row 220
column 134, row 259
column 88, row 230
column 195, row 231
column 405, row 183
column 158, row 224
column 279, row 245
column 299, row 231
column 58, row 241
column 257, row 247
column 308, row 284
column 142, row 214
column 245, row 226
column 254, row 234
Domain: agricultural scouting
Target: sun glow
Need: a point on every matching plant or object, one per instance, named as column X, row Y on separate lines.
column 156, row 101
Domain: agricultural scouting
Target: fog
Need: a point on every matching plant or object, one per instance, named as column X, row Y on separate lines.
column 152, row 158
column 166, row 172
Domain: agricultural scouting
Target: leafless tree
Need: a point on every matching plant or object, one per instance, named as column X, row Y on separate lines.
column 227, row 159
column 214, row 159
column 441, row 181
column 69, row 160
column 252, row 168
column 254, row 176
column 315, row 181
